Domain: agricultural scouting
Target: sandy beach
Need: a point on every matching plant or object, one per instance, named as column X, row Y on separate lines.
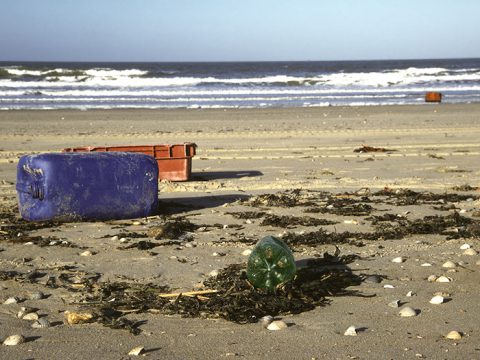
column 418, row 193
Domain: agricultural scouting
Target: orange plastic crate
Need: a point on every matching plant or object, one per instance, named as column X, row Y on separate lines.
column 433, row 96
column 174, row 161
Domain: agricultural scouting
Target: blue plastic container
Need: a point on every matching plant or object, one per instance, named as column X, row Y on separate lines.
column 87, row 186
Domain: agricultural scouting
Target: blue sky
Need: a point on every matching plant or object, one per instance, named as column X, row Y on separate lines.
column 237, row 30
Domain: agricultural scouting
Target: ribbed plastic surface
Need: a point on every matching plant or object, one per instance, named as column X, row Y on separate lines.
column 87, row 186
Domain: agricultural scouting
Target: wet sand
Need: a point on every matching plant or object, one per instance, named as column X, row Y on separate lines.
column 243, row 154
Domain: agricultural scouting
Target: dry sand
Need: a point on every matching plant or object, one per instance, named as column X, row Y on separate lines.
column 243, row 153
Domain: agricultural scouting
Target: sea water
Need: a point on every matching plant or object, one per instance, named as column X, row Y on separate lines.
column 44, row 85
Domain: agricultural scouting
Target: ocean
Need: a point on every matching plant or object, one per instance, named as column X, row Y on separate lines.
column 56, row 85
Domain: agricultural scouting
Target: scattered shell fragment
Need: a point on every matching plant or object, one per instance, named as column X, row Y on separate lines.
column 247, row 252
column 410, row 294
column 213, row 273
column 352, row 222
column 470, row 252
column 136, row 351
column 449, row 264
column 73, row 318
column 443, row 279
column 123, row 240
column 398, row 260
column 407, row 311
column 437, row 299
column 266, row 320
column 432, row 278
column 453, row 335
column 277, row 325
column 11, row 300
column 86, row 253
column 37, row 295
column 426, row 264
column 351, row 331
column 30, row 316
column 13, row 340
column 465, row 247
column 137, row 223
column 115, row 238
column 41, row 323
column 388, row 286
column 394, row 303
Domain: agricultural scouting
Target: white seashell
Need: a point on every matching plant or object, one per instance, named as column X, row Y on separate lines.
column 470, row 252
column 266, row 320
column 394, row 303
column 449, row 264
column 248, row 221
column 13, row 340
column 86, row 253
column 30, row 316
column 351, row 331
column 465, row 247
column 398, row 260
column 437, row 299
column 410, row 294
column 407, row 311
column 426, row 264
column 136, row 223
column 37, row 295
column 123, row 240
column 443, row 279
column 388, row 286
column 136, row 351
column 41, row 323
column 277, row 325
column 432, row 278
column 453, row 335
column 11, row 300
column 115, row 238
column 247, row 252
column 463, row 211
column 213, row 273
column 352, row 222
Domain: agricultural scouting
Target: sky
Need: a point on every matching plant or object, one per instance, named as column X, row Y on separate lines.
column 237, row 30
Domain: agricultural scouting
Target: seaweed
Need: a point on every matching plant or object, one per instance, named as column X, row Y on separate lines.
column 286, row 199
column 292, row 221
column 171, row 229
column 247, row 214
column 367, row 149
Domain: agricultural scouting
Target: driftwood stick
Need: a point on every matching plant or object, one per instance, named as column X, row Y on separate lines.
column 188, row 293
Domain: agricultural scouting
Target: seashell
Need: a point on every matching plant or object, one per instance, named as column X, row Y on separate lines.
column 465, row 247
column 115, row 238
column 123, row 240
column 410, row 294
column 37, row 295
column 30, row 316
column 11, row 300
column 437, row 299
column 266, row 320
column 470, row 252
column 213, row 273
column 73, row 318
column 351, row 222
column 136, row 351
column 248, row 221
column 443, row 279
column 86, row 253
column 449, row 264
column 432, row 278
column 407, row 311
column 41, row 323
column 394, row 303
column 398, row 260
column 136, row 223
column 247, row 252
column 277, row 325
column 351, row 331
column 426, row 264
column 388, row 286
column 453, row 335
column 13, row 340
